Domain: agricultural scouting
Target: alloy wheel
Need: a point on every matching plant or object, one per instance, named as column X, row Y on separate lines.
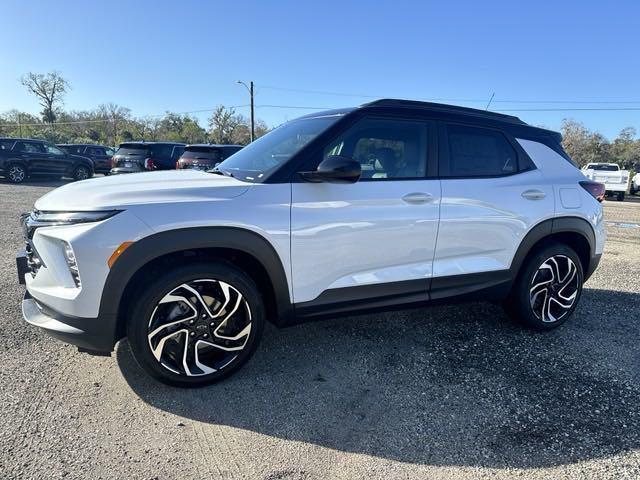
column 554, row 288
column 16, row 174
column 81, row 173
column 199, row 327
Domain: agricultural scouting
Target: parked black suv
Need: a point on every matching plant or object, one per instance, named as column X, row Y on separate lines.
column 134, row 157
column 21, row 158
column 204, row 157
column 99, row 154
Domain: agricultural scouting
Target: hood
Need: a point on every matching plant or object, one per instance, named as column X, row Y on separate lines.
column 141, row 188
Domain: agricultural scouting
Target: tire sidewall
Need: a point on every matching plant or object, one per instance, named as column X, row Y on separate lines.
column 138, row 319
column 522, row 297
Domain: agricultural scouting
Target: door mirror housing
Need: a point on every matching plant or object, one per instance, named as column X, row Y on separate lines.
column 335, row 169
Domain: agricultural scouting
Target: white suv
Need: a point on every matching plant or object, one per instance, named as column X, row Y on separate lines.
column 388, row 205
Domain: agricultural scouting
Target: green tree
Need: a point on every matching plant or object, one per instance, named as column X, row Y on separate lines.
column 49, row 90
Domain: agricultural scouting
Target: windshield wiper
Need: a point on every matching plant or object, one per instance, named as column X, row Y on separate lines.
column 217, row 171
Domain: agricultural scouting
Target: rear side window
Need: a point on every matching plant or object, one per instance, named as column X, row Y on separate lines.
column 6, row 144
column 29, row 147
column 478, row 152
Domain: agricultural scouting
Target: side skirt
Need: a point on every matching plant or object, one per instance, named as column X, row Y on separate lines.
column 486, row 286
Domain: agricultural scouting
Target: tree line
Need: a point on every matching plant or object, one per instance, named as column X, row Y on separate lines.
column 111, row 124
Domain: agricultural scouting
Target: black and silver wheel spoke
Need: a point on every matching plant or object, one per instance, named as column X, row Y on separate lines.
column 199, row 327
column 554, row 288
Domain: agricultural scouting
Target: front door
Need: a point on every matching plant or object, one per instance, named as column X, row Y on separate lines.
column 370, row 242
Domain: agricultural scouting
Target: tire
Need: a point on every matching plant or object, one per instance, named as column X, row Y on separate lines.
column 620, row 197
column 81, row 173
column 16, row 173
column 548, row 288
column 170, row 314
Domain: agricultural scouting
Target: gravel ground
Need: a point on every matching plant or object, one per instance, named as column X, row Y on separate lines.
column 446, row 392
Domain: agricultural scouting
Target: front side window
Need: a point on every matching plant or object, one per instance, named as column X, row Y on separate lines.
column 53, row 150
column 385, row 148
column 255, row 161
column 478, row 152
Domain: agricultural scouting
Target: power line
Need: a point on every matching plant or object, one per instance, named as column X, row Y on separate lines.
column 443, row 99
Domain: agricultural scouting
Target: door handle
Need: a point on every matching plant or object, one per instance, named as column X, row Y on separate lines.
column 417, row 197
column 533, row 194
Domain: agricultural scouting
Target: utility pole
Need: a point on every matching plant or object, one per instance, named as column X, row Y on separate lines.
column 253, row 123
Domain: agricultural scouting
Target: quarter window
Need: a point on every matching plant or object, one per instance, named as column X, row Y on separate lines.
column 478, row 152
column 384, row 148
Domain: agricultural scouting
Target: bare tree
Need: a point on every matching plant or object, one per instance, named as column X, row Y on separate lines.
column 49, row 89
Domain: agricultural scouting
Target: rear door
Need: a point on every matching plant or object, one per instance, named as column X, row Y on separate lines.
column 34, row 155
column 101, row 160
column 492, row 194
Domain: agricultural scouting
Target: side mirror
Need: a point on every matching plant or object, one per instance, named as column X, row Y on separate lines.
column 335, row 169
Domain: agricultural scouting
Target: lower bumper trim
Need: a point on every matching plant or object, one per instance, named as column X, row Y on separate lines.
column 96, row 335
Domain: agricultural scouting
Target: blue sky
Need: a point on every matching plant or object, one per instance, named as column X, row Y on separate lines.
column 153, row 56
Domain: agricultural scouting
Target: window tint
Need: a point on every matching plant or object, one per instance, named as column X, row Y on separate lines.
column 177, row 151
column 207, row 153
column 6, row 144
column 603, row 167
column 161, row 150
column 384, row 148
column 29, row 147
column 53, row 150
column 477, row 152
column 96, row 151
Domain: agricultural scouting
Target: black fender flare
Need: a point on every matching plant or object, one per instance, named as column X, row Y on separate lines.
column 160, row 244
column 549, row 227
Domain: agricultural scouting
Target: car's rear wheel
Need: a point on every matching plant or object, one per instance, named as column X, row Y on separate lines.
column 548, row 288
column 620, row 196
column 81, row 173
column 196, row 324
column 16, row 173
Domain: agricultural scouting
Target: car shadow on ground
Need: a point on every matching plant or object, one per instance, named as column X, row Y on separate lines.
column 38, row 182
column 456, row 385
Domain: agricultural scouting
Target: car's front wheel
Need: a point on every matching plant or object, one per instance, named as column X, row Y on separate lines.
column 548, row 288
column 196, row 324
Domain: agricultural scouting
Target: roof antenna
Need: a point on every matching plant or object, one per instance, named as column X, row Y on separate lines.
column 490, row 100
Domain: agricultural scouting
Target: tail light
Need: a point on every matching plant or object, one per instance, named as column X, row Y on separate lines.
column 148, row 164
column 113, row 162
column 597, row 190
column 178, row 165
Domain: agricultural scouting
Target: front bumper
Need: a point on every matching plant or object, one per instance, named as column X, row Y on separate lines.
column 91, row 335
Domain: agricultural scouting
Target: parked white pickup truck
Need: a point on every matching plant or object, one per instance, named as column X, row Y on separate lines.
column 635, row 184
column 614, row 179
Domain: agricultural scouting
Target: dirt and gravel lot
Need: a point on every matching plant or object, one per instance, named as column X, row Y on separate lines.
column 446, row 392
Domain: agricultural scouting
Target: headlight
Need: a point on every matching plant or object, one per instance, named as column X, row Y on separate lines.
column 69, row 218
column 70, row 258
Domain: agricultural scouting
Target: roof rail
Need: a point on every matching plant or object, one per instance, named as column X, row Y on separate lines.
column 442, row 107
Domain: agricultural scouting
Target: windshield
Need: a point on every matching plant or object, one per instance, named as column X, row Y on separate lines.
column 257, row 159
column 606, row 168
